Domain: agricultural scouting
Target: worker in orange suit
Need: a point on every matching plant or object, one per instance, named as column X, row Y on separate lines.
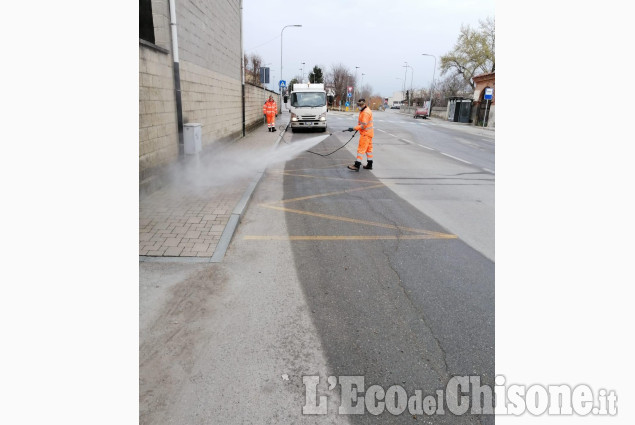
column 366, row 134
column 270, row 109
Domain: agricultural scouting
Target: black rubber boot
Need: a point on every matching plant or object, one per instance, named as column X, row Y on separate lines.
column 269, row 129
column 369, row 165
column 273, row 129
column 355, row 167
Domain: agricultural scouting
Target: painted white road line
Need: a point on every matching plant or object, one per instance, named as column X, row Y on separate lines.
column 454, row 157
column 488, row 170
column 413, row 143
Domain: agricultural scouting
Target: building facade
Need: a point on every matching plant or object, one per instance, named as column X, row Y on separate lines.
column 484, row 109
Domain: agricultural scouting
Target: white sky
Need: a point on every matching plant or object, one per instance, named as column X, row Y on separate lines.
column 378, row 36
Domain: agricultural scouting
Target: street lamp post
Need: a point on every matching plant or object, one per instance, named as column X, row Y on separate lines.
column 280, row 88
column 412, row 71
column 355, row 88
column 432, row 84
column 404, row 81
column 362, row 85
column 302, row 72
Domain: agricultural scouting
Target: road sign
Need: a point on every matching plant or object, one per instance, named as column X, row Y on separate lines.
column 349, row 94
column 264, row 75
column 347, row 104
column 350, row 89
column 282, row 84
column 489, row 92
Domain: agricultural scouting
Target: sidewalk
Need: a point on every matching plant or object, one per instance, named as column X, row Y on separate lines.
column 194, row 217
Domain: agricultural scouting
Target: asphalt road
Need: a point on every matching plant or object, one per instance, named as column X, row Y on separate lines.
column 394, row 296
column 445, row 170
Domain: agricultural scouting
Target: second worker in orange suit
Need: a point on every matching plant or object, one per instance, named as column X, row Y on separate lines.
column 270, row 109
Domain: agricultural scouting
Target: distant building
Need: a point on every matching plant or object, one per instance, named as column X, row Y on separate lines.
column 397, row 98
column 480, row 105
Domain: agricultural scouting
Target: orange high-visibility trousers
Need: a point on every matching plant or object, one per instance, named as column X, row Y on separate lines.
column 365, row 146
column 271, row 120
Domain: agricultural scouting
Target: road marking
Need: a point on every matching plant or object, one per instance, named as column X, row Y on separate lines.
column 325, row 177
column 425, row 147
column 467, row 142
column 390, row 134
column 436, row 235
column 488, row 170
column 341, row 192
column 454, row 157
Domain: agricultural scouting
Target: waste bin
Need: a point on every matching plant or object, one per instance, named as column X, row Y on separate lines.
column 192, row 138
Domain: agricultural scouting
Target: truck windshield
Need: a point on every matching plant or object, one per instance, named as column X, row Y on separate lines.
column 300, row 99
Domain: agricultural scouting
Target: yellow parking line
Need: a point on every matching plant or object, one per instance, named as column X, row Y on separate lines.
column 437, row 235
column 328, row 178
column 284, row 201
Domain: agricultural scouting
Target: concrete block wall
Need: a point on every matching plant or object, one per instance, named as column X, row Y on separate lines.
column 158, row 131
column 209, row 36
column 213, row 100
column 209, row 43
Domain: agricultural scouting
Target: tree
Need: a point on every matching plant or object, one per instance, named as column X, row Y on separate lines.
column 454, row 85
column 340, row 78
column 366, row 91
column 316, row 75
column 474, row 52
column 252, row 69
column 374, row 101
column 293, row 81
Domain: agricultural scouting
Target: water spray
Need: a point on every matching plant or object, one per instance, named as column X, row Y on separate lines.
column 325, row 137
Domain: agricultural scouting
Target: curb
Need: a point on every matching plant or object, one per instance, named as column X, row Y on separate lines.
column 239, row 211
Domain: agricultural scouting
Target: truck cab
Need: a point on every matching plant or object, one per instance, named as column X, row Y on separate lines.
column 307, row 104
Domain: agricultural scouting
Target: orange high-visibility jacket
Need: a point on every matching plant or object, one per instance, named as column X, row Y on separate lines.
column 365, row 123
column 270, row 107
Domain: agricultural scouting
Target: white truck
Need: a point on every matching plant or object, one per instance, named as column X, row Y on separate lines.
column 307, row 104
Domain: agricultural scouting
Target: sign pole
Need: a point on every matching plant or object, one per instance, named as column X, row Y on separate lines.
column 489, row 94
column 485, row 116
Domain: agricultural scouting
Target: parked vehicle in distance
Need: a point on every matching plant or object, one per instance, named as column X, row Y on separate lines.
column 421, row 112
column 395, row 107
